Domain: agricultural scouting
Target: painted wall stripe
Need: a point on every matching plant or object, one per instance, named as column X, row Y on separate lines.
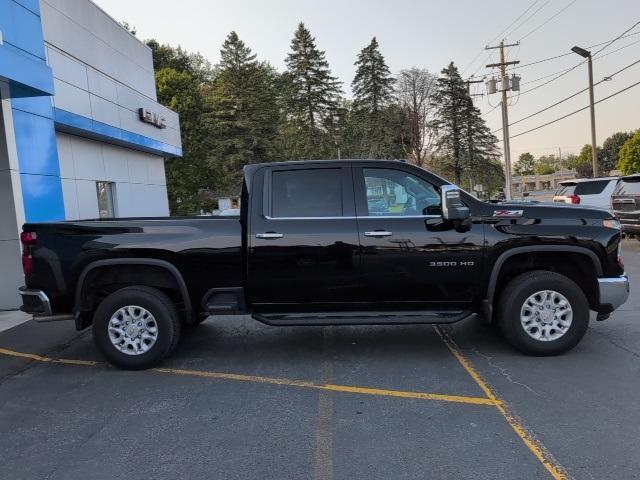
column 73, row 123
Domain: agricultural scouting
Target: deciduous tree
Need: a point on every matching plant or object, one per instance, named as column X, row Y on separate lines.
column 630, row 155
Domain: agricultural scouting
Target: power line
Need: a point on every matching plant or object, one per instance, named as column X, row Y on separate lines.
column 576, row 111
column 498, row 36
column 528, row 18
column 536, row 62
column 582, row 62
column 548, row 20
column 571, row 96
column 596, row 58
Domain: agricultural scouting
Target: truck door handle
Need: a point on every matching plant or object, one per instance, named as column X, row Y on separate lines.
column 269, row 235
column 378, row 233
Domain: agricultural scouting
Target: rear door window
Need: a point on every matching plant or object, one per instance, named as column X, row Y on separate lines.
column 591, row 188
column 566, row 189
column 628, row 187
column 306, row 193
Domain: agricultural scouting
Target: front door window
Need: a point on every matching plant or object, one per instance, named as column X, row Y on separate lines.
column 397, row 193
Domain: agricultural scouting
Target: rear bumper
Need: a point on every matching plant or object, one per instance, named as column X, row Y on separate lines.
column 36, row 302
column 614, row 291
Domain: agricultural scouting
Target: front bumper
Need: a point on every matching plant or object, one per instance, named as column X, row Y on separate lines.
column 614, row 291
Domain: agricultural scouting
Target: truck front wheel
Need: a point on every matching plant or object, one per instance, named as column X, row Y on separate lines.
column 136, row 327
column 543, row 313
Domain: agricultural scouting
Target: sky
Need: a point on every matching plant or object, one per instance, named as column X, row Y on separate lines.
column 429, row 34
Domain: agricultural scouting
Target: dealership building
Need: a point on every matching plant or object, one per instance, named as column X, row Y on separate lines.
column 81, row 132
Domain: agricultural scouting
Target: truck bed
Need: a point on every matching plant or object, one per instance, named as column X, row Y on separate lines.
column 191, row 244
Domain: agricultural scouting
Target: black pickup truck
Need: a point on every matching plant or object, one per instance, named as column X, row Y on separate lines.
column 330, row 243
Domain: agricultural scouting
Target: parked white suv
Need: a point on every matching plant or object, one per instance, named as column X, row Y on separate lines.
column 593, row 192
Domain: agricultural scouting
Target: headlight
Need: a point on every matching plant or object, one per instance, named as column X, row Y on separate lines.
column 611, row 223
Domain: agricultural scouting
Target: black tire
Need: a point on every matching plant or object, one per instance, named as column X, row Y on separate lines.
column 157, row 304
column 513, row 297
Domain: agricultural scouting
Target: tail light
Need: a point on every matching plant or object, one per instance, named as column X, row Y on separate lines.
column 575, row 199
column 28, row 239
column 620, row 260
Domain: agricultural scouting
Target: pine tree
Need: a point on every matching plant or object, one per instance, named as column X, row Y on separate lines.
column 244, row 118
column 235, row 55
column 372, row 88
column 373, row 84
column 463, row 137
column 313, row 93
column 451, row 99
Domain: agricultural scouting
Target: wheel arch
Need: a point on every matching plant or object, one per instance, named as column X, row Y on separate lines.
column 80, row 305
column 494, row 286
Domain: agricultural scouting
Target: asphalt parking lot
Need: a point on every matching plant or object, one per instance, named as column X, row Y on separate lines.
column 240, row 400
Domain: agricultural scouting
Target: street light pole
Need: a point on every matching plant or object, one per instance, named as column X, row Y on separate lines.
column 594, row 151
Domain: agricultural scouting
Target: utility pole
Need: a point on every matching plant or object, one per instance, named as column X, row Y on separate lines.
column 505, row 87
column 594, row 146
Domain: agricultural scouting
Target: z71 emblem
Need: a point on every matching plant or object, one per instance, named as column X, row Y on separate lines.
column 508, row 213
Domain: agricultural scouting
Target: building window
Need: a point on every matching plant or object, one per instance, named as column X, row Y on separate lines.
column 105, row 199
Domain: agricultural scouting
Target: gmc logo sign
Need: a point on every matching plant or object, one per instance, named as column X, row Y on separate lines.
column 152, row 118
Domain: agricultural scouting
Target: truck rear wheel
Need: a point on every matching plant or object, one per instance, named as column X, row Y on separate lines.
column 543, row 313
column 136, row 327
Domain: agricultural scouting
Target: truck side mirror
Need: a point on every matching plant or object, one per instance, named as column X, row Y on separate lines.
column 452, row 206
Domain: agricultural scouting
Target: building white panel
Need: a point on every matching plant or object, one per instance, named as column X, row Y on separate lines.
column 102, row 86
column 87, row 199
column 71, row 98
column 67, row 69
column 70, row 195
column 125, row 206
column 65, row 156
column 104, row 111
column 87, row 159
column 137, row 167
column 155, row 170
column 116, row 164
column 8, row 221
column 12, row 276
column 85, row 32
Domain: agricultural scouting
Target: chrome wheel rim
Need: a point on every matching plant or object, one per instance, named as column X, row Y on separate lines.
column 546, row 315
column 133, row 330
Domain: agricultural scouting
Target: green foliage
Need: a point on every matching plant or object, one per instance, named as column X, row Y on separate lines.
column 166, row 56
column 583, row 163
column 609, row 155
column 370, row 122
column 525, row 165
column 187, row 176
column 630, row 155
column 463, row 138
column 312, row 92
column 244, row 113
column 373, row 84
column 547, row 164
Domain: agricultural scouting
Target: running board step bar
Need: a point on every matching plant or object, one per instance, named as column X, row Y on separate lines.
column 361, row 318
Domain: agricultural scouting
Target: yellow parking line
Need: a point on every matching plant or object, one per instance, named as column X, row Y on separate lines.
column 279, row 381
column 40, row 358
column 536, row 447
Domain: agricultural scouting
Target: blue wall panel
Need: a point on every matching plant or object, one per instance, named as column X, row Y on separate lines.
column 21, row 27
column 22, row 62
column 36, row 144
column 42, row 197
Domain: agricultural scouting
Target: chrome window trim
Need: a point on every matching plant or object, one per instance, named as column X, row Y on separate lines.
column 353, row 217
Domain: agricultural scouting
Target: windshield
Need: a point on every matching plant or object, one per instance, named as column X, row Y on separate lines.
column 628, row 187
